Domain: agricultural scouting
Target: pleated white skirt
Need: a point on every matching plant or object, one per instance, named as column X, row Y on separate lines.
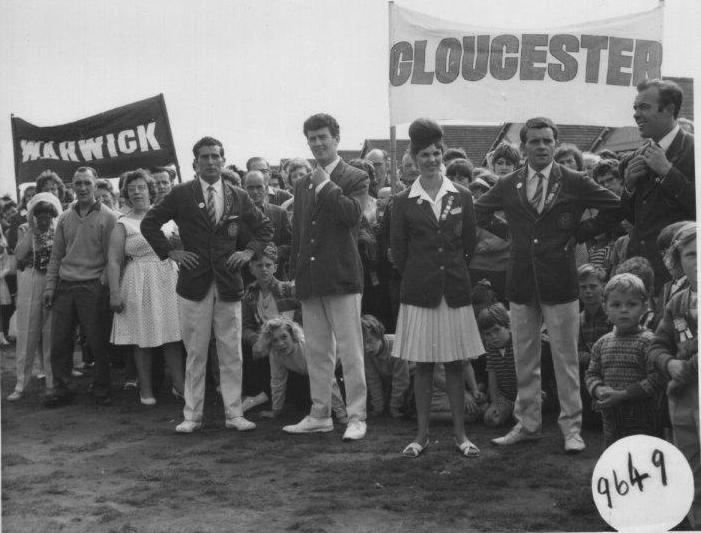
column 437, row 334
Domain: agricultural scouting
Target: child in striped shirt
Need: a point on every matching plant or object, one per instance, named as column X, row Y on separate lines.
column 494, row 324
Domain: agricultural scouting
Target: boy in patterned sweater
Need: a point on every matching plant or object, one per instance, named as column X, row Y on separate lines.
column 674, row 351
column 626, row 387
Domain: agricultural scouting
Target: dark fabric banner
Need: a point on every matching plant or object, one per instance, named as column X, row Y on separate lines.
column 129, row 137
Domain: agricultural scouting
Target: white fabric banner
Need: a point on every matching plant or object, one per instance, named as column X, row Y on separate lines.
column 584, row 74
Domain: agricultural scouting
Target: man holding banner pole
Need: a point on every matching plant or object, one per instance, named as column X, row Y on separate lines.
column 543, row 203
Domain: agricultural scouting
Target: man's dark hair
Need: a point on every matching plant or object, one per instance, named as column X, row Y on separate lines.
column 207, row 141
column 158, row 170
column 669, row 93
column 536, row 124
column 86, row 170
column 319, row 121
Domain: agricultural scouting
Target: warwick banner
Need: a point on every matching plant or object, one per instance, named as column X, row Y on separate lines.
column 584, row 74
column 132, row 136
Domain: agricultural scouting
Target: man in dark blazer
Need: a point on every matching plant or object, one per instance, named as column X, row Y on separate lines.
column 543, row 203
column 659, row 176
column 209, row 212
column 329, row 204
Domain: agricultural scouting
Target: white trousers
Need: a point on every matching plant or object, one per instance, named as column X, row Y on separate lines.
column 562, row 322
column 33, row 327
column 332, row 329
column 197, row 320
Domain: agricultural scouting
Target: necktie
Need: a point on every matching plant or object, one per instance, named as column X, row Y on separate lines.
column 211, row 209
column 538, row 193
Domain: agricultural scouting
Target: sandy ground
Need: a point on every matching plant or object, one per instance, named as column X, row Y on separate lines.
column 123, row 468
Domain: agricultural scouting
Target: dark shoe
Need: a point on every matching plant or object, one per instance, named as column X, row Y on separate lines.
column 103, row 400
column 58, row 400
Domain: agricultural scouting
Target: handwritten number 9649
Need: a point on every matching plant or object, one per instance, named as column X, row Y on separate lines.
column 635, row 478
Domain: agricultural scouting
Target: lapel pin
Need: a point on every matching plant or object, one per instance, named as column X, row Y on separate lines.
column 201, row 206
column 310, row 186
column 519, row 185
column 419, row 201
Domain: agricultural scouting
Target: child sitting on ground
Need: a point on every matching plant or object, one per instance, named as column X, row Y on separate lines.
column 626, row 387
column 495, row 324
column 282, row 341
column 387, row 377
column 593, row 324
column 674, row 351
column 265, row 298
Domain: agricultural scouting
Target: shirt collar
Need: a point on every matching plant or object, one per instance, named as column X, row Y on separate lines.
column 94, row 207
column 666, row 141
column 545, row 172
column 417, row 190
column 217, row 186
column 332, row 165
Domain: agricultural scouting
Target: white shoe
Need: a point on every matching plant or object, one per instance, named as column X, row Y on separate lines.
column 517, row 434
column 239, row 423
column 16, row 395
column 249, row 402
column 188, row 426
column 355, row 430
column 574, row 443
column 310, row 424
column 147, row 401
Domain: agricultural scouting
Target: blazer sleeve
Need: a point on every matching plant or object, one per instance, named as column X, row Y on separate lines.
column 469, row 227
column 399, row 236
column 153, row 221
column 346, row 207
column 485, row 207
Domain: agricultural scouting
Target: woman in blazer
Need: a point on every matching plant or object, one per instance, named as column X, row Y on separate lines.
column 433, row 234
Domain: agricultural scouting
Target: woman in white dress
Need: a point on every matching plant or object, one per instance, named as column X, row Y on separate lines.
column 433, row 235
column 142, row 290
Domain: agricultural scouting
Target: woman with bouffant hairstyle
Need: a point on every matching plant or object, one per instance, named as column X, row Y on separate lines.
column 433, row 235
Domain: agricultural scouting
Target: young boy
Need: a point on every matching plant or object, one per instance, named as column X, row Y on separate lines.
column 626, row 387
column 674, row 351
column 386, row 376
column 265, row 298
column 593, row 324
column 495, row 324
column 640, row 266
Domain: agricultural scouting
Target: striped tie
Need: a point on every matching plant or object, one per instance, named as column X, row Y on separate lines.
column 211, row 209
column 538, row 193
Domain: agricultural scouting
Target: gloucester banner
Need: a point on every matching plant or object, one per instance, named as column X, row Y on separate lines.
column 132, row 136
column 583, row 74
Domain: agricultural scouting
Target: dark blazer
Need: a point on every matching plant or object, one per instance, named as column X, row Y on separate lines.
column 213, row 244
column 324, row 257
column 656, row 203
column 542, row 262
column 432, row 256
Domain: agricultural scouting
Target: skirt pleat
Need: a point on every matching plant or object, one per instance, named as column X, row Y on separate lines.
column 437, row 334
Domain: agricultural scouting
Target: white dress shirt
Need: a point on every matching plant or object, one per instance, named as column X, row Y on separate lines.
column 218, row 196
column 417, row 191
column 666, row 141
column 532, row 184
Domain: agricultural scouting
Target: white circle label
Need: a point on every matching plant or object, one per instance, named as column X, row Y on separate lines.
column 642, row 483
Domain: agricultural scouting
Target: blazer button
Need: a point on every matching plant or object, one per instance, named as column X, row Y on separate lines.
column 312, row 259
column 313, row 222
column 311, row 241
column 440, row 250
column 442, row 267
column 535, row 241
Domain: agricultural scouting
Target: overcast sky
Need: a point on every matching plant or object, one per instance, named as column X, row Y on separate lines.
column 249, row 72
